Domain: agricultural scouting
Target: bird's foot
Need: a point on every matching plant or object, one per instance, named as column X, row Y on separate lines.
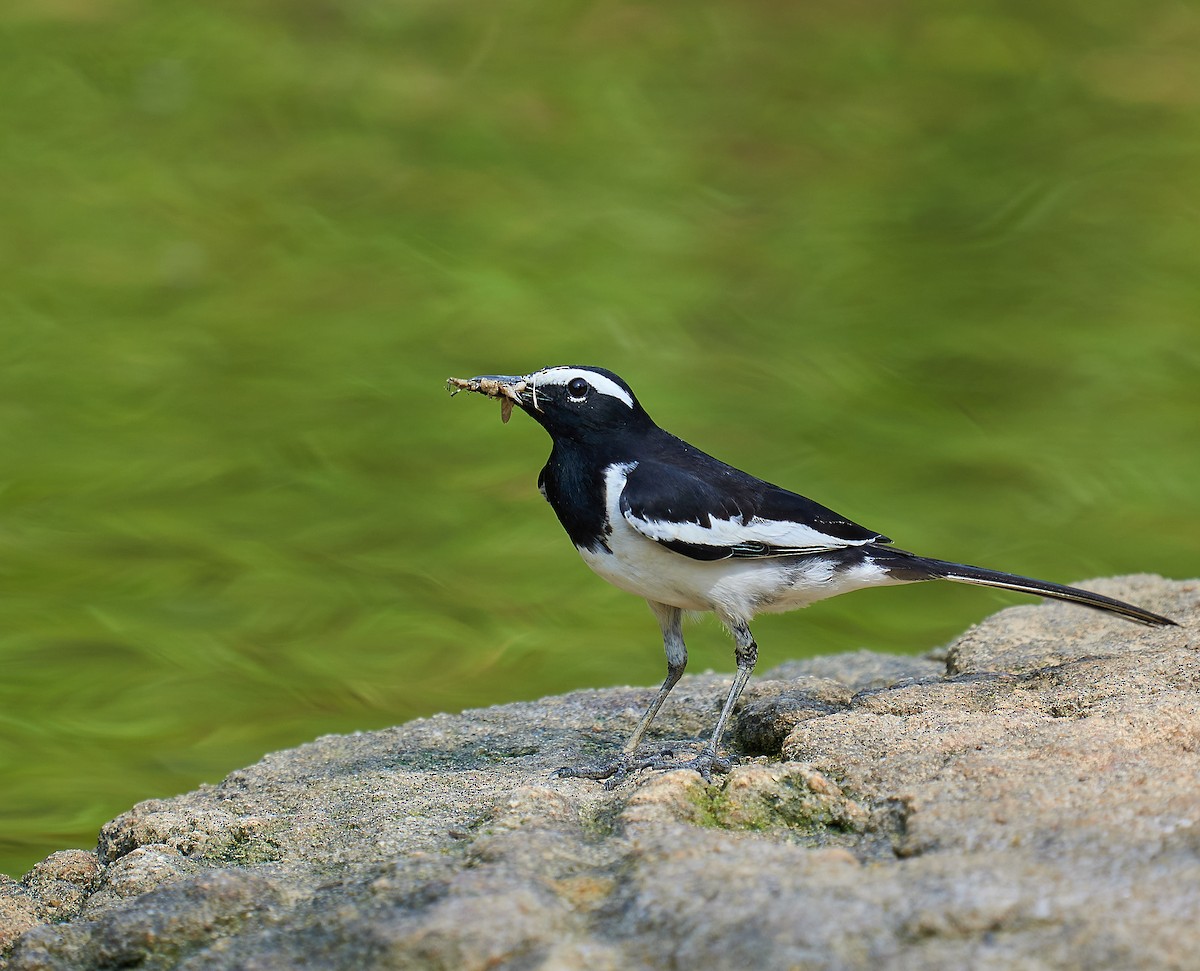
column 614, row 773
column 706, row 763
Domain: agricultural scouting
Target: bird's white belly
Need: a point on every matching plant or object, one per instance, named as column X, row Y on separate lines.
column 735, row 589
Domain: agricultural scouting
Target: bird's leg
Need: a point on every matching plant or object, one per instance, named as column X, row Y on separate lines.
column 708, row 761
column 670, row 619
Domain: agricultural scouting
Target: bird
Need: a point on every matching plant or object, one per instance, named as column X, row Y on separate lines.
column 659, row 518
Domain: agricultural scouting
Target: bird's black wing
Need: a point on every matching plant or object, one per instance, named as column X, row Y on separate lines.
column 736, row 516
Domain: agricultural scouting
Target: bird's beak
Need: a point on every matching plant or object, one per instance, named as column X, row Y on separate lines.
column 507, row 387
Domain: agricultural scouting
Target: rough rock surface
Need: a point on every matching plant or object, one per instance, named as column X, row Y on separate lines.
column 1027, row 798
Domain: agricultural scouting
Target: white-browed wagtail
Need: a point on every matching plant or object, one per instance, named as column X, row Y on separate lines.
column 659, row 518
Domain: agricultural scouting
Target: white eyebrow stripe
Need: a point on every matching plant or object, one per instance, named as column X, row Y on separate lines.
column 565, row 375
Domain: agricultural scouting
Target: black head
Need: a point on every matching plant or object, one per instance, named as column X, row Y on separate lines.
column 577, row 403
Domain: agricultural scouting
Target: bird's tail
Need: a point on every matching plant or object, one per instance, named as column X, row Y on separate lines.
column 909, row 565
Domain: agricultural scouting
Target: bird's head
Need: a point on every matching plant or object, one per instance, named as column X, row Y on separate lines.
column 573, row 403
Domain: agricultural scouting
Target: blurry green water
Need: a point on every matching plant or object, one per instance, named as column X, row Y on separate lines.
column 934, row 266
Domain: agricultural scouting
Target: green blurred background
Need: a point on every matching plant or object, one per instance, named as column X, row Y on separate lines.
column 933, row 264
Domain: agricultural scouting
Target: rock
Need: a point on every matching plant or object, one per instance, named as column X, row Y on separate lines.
column 18, row 912
column 1028, row 798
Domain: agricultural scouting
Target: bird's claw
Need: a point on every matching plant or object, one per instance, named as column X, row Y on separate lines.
column 614, row 773
column 705, row 763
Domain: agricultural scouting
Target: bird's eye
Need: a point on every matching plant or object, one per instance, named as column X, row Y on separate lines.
column 577, row 388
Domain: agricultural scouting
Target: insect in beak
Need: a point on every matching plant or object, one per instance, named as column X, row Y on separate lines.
column 507, row 388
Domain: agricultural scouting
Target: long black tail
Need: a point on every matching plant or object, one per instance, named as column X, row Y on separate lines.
column 911, row 566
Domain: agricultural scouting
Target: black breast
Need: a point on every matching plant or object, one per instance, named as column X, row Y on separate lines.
column 574, row 487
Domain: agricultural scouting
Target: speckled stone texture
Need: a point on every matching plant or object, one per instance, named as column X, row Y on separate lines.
column 1027, row 798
